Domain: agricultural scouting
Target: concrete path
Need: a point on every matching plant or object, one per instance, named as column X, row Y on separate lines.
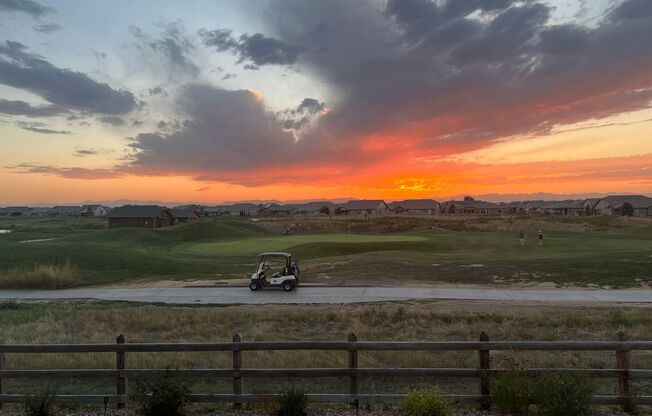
column 242, row 295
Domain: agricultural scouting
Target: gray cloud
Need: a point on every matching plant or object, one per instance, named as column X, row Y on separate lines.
column 158, row 90
column 61, row 87
column 23, row 108
column 300, row 116
column 257, row 49
column 47, row 27
column 25, row 6
column 40, row 128
column 114, row 121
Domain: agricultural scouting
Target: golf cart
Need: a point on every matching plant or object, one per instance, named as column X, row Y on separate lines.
column 275, row 270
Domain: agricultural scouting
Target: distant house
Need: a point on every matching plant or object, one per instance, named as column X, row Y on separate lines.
column 94, row 211
column 243, row 210
column 363, row 207
column 589, row 205
column 313, row 208
column 182, row 216
column 214, row 211
column 14, row 211
column 277, row 211
column 624, row 205
column 70, row 210
column 141, row 216
column 415, row 207
column 470, row 206
column 40, row 212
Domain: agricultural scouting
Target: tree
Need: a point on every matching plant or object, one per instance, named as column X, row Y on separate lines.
column 325, row 210
column 628, row 209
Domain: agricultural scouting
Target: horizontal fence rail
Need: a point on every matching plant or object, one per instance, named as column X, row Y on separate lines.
column 483, row 372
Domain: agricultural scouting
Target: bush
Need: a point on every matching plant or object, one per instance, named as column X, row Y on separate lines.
column 40, row 276
column 162, row 396
column 563, row 394
column 292, row 403
column 512, row 393
column 426, row 402
column 39, row 404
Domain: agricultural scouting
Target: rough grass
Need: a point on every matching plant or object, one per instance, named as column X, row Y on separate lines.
column 41, row 276
column 95, row 322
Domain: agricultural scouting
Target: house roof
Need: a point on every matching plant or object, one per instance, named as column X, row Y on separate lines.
column 136, row 211
column 472, row 204
column 182, row 213
column 67, row 209
column 363, row 204
column 241, row 207
column 280, row 208
column 415, row 204
column 311, row 206
column 637, row 201
column 22, row 210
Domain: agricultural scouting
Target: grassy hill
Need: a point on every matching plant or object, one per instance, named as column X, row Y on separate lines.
column 593, row 251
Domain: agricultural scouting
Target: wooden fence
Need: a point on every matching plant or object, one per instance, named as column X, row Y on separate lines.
column 483, row 371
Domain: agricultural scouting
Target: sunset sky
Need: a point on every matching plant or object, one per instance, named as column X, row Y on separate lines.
column 214, row 101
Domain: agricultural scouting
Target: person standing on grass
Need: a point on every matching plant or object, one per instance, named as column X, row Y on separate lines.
column 540, row 237
column 521, row 237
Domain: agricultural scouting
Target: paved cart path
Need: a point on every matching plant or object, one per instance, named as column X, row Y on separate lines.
column 242, row 295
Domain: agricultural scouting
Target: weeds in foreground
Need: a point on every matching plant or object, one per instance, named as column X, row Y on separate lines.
column 563, row 394
column 426, row 402
column 40, row 276
column 40, row 403
column 165, row 395
column 292, row 402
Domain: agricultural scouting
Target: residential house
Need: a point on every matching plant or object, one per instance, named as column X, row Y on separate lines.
column 624, row 205
column 142, row 216
column 277, row 211
column 415, row 207
column 363, row 207
column 470, row 206
column 243, row 210
column 94, row 211
column 314, row 208
column 589, row 205
column 40, row 212
column 185, row 215
column 14, row 211
column 214, row 211
column 70, row 210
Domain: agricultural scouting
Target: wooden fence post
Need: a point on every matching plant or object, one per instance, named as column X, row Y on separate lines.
column 237, row 364
column 2, row 367
column 622, row 362
column 121, row 365
column 353, row 365
column 484, row 364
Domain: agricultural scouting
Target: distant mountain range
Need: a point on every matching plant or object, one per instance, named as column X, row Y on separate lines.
column 483, row 197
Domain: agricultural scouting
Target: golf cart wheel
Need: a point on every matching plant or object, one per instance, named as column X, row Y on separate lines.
column 287, row 286
column 253, row 286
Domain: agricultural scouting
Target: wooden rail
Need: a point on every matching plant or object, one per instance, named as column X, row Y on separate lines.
column 483, row 373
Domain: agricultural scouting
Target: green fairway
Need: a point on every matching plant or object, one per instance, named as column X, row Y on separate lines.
column 581, row 251
column 254, row 246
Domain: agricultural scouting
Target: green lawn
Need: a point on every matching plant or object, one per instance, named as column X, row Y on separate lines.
column 594, row 251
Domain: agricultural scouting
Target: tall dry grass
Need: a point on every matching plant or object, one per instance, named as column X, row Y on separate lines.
column 41, row 276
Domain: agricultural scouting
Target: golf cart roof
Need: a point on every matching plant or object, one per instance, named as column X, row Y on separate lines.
column 274, row 254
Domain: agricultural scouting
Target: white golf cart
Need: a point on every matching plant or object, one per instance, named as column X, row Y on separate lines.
column 275, row 270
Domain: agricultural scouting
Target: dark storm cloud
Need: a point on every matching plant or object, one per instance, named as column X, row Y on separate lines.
column 257, row 49
column 22, row 108
column 300, row 116
column 47, row 27
column 25, row 6
column 229, row 129
column 61, row 87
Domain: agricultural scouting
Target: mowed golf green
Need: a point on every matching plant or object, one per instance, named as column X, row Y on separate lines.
column 614, row 252
column 255, row 246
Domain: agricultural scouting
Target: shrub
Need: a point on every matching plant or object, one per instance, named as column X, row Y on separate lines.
column 40, row 276
column 426, row 402
column 512, row 393
column 292, row 403
column 162, row 396
column 563, row 394
column 40, row 403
